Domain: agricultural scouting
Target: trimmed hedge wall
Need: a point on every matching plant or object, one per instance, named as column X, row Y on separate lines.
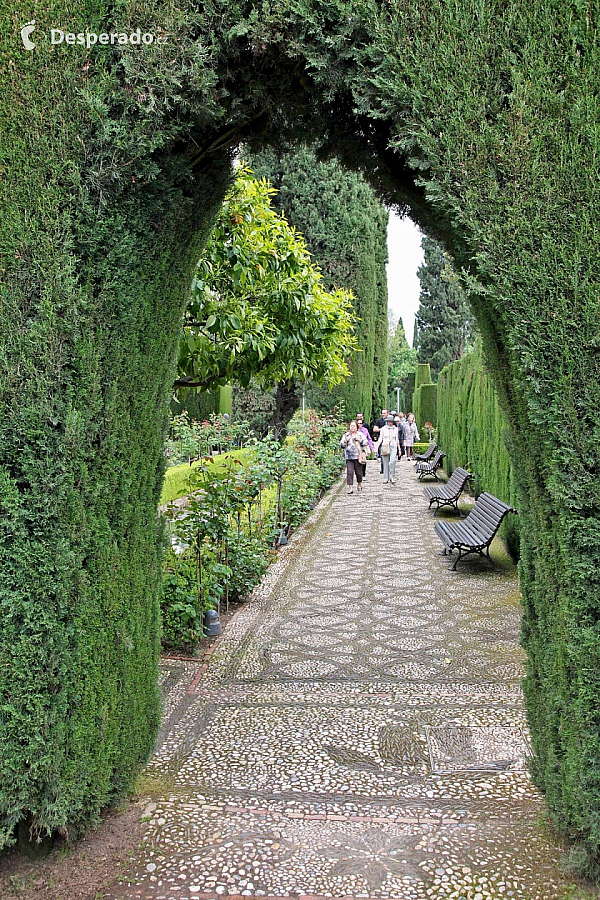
column 99, row 238
column 473, row 431
column 425, row 406
column 112, row 164
column 422, row 375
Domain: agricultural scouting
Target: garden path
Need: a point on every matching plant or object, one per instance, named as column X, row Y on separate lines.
column 359, row 731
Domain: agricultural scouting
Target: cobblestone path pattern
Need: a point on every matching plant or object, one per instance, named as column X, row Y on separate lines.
column 359, row 731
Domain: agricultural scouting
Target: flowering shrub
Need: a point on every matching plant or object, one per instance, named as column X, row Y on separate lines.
column 189, row 439
column 226, row 533
column 430, row 430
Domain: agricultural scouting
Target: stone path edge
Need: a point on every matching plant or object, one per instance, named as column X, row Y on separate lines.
column 270, row 580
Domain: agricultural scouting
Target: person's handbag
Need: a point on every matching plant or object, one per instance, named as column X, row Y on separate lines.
column 362, row 456
column 385, row 448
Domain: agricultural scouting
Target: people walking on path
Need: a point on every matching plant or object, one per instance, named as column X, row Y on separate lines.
column 387, row 445
column 411, row 435
column 398, row 422
column 360, row 421
column 348, row 738
column 355, row 446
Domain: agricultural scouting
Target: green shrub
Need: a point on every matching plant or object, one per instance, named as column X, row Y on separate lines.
column 408, row 390
column 178, row 480
column 231, row 519
column 425, row 406
column 184, row 599
column 330, row 465
column 180, row 610
column 300, row 491
column 189, row 438
column 249, row 557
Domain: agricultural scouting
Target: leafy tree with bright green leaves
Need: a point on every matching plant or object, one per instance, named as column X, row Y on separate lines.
column 345, row 228
column 259, row 307
column 443, row 322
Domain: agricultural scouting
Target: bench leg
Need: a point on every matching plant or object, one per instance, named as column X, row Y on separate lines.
column 452, row 568
column 462, row 553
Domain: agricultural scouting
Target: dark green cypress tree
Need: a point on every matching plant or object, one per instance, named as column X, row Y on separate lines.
column 402, row 361
column 345, row 228
column 443, row 321
column 415, row 341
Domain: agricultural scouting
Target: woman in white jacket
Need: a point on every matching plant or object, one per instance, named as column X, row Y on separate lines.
column 388, row 441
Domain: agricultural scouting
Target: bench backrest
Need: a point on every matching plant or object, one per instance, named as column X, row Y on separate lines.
column 429, row 452
column 458, row 479
column 487, row 514
column 437, row 459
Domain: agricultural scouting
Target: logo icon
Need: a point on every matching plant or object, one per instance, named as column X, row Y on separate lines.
column 26, row 30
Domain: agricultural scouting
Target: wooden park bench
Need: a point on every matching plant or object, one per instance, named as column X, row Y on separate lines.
column 430, row 468
column 475, row 533
column 425, row 457
column 448, row 494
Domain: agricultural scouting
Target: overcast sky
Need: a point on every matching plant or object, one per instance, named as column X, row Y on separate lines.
column 405, row 255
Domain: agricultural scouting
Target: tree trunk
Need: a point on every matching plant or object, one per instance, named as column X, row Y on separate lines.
column 287, row 401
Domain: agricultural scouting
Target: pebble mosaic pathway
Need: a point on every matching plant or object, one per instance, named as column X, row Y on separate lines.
column 359, row 731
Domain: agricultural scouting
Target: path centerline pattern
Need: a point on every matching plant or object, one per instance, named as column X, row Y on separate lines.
column 359, row 731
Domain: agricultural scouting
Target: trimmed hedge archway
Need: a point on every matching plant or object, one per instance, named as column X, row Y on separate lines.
column 479, row 117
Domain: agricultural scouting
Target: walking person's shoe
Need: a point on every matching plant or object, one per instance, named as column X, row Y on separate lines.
column 350, row 490
column 393, row 480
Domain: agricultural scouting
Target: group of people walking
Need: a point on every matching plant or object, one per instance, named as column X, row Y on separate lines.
column 390, row 437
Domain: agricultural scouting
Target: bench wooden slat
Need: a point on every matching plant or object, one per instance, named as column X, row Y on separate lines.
column 467, row 535
column 430, row 468
column 448, row 494
column 482, row 520
column 476, row 532
column 423, row 457
column 488, row 500
column 486, row 519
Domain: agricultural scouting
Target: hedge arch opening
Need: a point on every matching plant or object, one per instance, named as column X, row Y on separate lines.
column 478, row 117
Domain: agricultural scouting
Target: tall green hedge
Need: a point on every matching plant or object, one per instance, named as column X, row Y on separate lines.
column 99, row 234
column 112, row 162
column 407, row 393
column 422, row 375
column 473, row 432
column 425, row 406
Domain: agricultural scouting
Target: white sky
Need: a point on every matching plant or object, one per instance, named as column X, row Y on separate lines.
column 405, row 255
